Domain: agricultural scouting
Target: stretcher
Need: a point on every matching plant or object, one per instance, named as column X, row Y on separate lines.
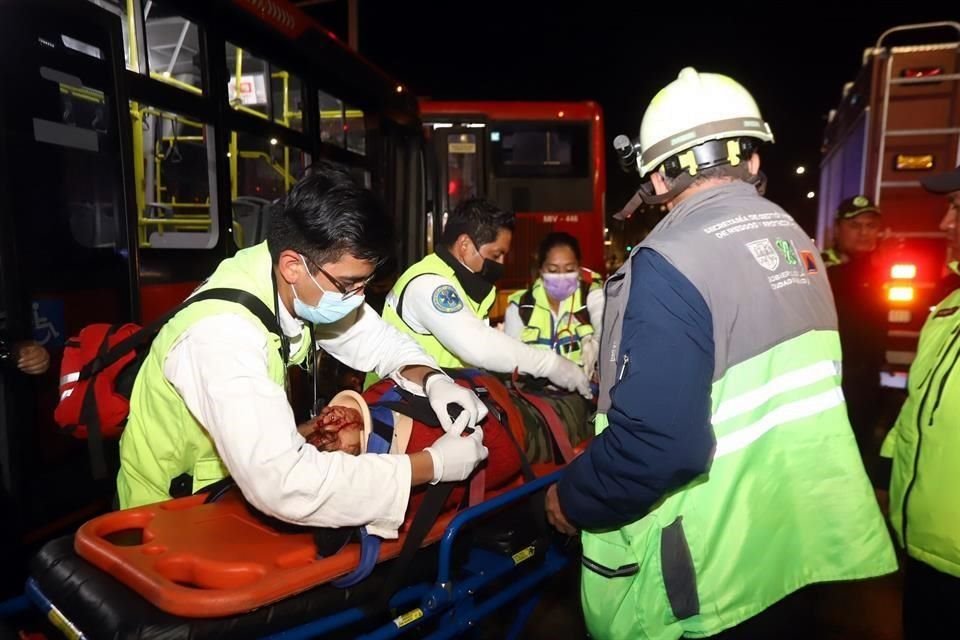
column 158, row 572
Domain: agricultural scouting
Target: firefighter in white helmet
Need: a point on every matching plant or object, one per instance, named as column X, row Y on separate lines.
column 724, row 476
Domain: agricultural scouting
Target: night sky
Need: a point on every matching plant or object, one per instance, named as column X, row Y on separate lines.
column 794, row 66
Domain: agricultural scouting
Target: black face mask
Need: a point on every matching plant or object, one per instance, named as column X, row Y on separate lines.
column 491, row 271
column 476, row 285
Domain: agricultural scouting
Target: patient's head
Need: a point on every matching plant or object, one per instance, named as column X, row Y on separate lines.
column 338, row 429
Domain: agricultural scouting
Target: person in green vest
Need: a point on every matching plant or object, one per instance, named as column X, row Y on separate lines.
column 210, row 399
column 443, row 301
column 925, row 446
column 724, row 476
column 563, row 309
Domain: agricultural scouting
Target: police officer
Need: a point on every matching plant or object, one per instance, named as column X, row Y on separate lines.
column 724, row 476
column 925, row 447
column 857, row 286
column 856, row 231
column 443, row 301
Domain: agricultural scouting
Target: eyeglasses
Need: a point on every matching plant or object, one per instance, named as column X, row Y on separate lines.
column 345, row 293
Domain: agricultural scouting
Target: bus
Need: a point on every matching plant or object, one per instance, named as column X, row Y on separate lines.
column 142, row 142
column 546, row 161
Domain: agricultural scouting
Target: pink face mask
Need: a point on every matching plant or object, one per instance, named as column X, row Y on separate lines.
column 560, row 286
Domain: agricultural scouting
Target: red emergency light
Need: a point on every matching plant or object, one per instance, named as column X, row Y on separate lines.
column 922, row 72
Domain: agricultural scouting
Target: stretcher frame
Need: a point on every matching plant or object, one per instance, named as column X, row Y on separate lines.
column 452, row 605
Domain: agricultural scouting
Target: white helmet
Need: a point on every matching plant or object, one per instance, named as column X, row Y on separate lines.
column 694, row 109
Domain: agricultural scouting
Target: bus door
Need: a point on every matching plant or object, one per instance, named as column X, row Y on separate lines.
column 460, row 151
column 64, row 247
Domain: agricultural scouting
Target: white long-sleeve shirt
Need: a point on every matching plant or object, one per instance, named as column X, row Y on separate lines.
column 219, row 368
column 513, row 323
column 465, row 335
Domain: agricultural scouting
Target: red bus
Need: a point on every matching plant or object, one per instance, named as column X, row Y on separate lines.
column 546, row 161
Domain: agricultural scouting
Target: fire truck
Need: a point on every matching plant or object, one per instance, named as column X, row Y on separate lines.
column 898, row 122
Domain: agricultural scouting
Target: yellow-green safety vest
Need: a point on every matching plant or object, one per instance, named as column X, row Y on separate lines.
column 162, row 440
column 572, row 325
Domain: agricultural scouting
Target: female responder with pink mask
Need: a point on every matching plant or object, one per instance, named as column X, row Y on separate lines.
column 563, row 309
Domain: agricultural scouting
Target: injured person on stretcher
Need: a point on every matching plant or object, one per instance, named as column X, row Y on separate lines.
column 516, row 427
column 345, row 423
column 210, row 566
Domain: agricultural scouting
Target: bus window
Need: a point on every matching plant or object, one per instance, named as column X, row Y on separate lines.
column 535, row 150
column 463, row 170
column 73, row 126
column 119, row 9
column 173, row 47
column 287, row 99
column 331, row 119
column 173, row 180
column 261, row 171
column 258, row 88
column 356, row 131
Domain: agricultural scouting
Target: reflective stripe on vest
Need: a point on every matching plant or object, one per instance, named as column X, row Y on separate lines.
column 565, row 336
column 786, row 501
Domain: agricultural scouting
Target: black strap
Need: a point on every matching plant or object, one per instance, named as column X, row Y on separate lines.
column 430, row 509
column 413, row 406
column 525, row 469
column 284, row 340
column 107, row 356
column 91, row 417
column 252, row 303
column 526, row 306
column 537, row 502
column 583, row 314
column 504, row 419
column 437, row 495
column 403, row 292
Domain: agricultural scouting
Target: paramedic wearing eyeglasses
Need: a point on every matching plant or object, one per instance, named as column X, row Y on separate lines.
column 563, row 309
column 210, row 399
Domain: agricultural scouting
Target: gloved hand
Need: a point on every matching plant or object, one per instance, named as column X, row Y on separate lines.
column 442, row 391
column 566, row 375
column 589, row 353
column 456, row 456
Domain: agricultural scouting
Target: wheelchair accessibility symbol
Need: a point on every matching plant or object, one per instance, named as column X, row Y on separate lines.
column 48, row 323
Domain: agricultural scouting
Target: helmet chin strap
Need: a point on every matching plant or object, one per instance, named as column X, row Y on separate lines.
column 759, row 180
column 646, row 194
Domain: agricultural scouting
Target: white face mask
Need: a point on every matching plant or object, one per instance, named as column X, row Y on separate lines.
column 331, row 307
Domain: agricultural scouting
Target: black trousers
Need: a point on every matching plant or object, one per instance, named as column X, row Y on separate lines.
column 930, row 600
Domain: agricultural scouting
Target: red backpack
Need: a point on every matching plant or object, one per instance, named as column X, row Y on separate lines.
column 100, row 365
